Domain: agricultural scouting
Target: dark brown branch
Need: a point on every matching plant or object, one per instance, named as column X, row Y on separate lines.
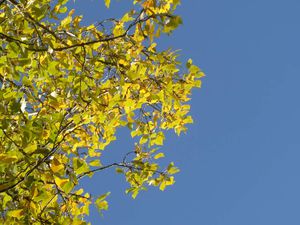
column 11, row 39
column 15, row 143
column 124, row 165
column 98, row 169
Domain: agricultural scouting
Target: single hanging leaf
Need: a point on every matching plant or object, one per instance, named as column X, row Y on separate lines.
column 107, row 3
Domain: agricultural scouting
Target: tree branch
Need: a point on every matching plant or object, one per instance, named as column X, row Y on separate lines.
column 39, row 162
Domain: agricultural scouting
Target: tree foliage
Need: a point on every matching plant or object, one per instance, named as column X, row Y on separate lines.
column 65, row 90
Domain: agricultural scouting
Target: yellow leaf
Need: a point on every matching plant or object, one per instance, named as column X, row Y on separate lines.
column 170, row 181
column 118, row 30
column 60, row 182
column 30, row 148
column 56, row 166
column 79, row 192
column 95, row 162
column 16, row 213
column 45, row 134
column 159, row 155
column 107, row 3
column 32, row 206
column 173, row 170
column 159, row 139
column 127, row 18
column 101, row 203
column 162, row 186
column 66, row 21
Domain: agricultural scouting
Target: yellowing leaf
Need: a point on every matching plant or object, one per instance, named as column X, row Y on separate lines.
column 107, row 3
column 118, row 30
column 134, row 194
column 170, row 181
column 162, row 186
column 66, row 21
column 18, row 213
column 60, row 182
column 45, row 134
column 4, row 158
column 67, row 188
column 119, row 170
column 143, row 139
column 80, row 166
column 173, row 170
column 95, row 162
column 159, row 139
column 159, row 155
column 101, row 203
column 56, row 166
column 30, row 148
column 127, row 18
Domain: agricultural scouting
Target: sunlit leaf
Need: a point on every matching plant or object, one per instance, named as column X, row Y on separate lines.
column 18, row 213
column 159, row 155
column 107, row 3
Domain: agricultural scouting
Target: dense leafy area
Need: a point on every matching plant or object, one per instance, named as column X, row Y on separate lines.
column 65, row 90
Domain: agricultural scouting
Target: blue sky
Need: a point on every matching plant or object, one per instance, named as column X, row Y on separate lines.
column 239, row 161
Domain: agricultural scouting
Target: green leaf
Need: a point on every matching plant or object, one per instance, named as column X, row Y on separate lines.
column 80, row 166
column 119, row 170
column 67, row 187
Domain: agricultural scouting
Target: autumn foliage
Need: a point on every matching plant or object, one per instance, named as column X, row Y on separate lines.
column 66, row 89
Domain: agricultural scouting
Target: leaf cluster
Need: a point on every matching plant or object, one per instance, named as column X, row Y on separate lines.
column 66, row 88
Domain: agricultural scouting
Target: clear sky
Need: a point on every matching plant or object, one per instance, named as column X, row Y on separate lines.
column 239, row 161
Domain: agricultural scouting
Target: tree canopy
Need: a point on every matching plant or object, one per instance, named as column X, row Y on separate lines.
column 65, row 90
